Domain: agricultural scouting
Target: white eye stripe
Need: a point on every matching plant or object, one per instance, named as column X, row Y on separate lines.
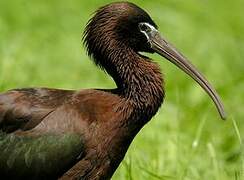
column 149, row 28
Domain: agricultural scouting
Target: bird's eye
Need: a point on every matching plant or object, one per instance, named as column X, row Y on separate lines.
column 144, row 27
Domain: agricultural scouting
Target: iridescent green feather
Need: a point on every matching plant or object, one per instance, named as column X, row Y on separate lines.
column 38, row 157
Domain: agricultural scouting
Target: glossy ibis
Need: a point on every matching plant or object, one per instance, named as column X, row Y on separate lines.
column 84, row 134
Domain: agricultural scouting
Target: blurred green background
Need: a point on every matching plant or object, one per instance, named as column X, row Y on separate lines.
column 40, row 45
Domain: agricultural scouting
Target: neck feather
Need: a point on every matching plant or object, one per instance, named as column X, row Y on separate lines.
column 138, row 79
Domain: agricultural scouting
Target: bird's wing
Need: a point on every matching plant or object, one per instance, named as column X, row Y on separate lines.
column 26, row 155
column 25, row 108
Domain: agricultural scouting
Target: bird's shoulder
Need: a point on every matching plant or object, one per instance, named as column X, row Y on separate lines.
column 24, row 109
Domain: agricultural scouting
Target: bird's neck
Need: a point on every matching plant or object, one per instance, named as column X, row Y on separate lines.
column 140, row 84
column 138, row 80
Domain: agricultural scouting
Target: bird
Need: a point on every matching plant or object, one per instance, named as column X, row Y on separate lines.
column 84, row 134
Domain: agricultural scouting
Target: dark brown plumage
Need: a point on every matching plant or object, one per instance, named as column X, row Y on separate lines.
column 51, row 133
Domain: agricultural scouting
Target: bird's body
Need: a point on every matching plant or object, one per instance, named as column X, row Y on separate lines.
column 84, row 134
column 50, row 130
column 106, row 121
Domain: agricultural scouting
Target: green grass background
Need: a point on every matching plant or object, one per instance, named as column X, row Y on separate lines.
column 40, row 45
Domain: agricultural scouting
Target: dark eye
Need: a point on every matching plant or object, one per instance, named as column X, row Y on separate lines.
column 144, row 27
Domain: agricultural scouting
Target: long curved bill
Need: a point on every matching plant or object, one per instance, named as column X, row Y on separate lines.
column 162, row 47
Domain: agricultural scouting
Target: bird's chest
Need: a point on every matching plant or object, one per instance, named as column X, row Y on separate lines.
column 106, row 148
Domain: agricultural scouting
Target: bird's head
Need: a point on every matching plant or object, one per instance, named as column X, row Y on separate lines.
column 125, row 25
column 121, row 23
